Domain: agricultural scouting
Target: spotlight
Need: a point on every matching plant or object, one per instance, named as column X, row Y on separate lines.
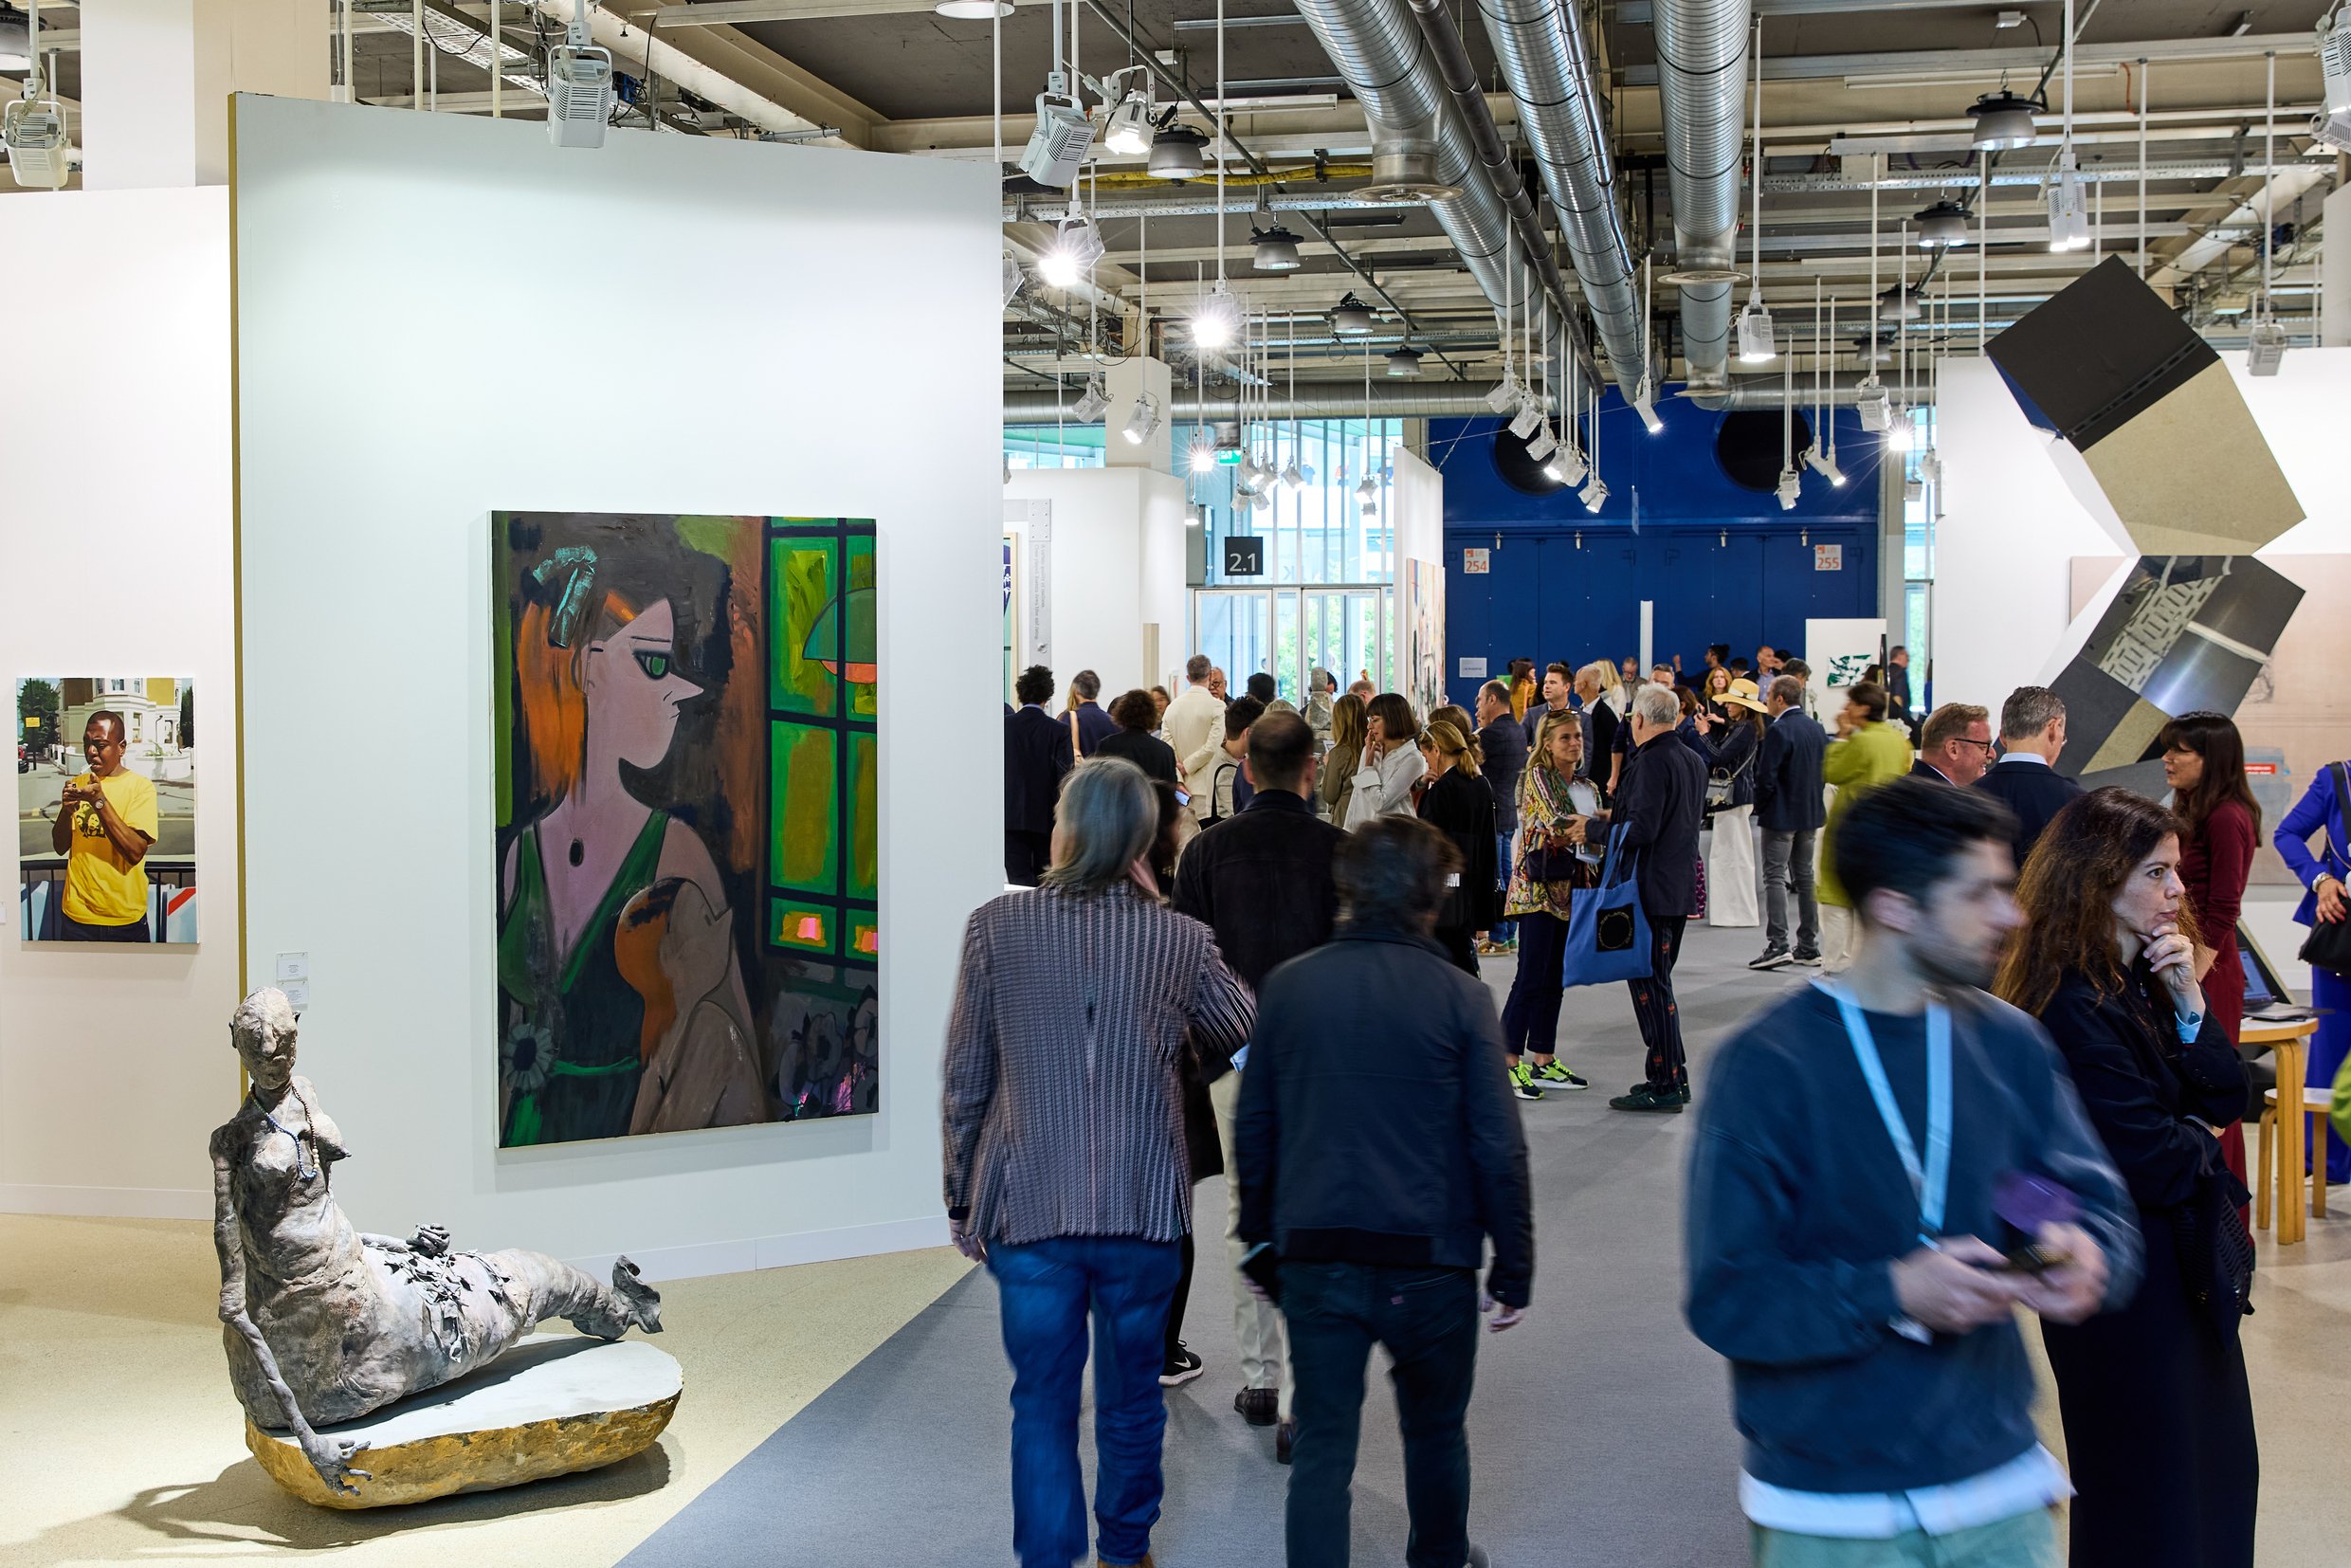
column 1089, row 406
column 1277, row 249
column 972, row 10
column 1260, row 499
column 1898, row 433
column 1566, row 465
column 1200, row 456
column 1368, row 490
column 580, row 86
column 1404, row 362
column 2068, row 214
column 1216, row 320
column 1144, row 420
column 1943, row 227
column 1645, row 404
column 1504, row 395
column 1756, row 346
column 2331, row 126
column 2265, row 348
column 1176, row 153
column 1544, row 445
column 1530, row 416
column 1825, row 466
column 1062, row 137
column 1594, row 494
column 1073, row 252
column 1930, row 465
column 1913, row 490
column 1791, row 488
column 1014, row 280
column 1352, row 317
column 1128, row 129
column 2004, row 121
column 33, row 129
column 1292, row 480
column 1874, row 406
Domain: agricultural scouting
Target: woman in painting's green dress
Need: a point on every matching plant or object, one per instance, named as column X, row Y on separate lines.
column 598, row 688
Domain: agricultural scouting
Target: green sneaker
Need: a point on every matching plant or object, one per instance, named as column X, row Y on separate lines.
column 1522, row 1083
column 1557, row 1075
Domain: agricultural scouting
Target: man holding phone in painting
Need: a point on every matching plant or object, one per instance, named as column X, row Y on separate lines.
column 106, row 824
column 1888, row 1164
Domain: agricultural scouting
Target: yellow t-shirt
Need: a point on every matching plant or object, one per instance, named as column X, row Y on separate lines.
column 102, row 889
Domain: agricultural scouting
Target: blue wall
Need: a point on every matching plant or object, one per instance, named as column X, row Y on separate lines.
column 1550, row 596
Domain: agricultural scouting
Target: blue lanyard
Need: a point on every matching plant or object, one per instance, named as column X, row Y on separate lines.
column 1931, row 1183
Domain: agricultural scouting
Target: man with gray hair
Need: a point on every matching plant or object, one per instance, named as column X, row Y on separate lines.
column 1073, row 1187
column 2032, row 732
column 1087, row 721
column 1193, row 726
column 1791, row 809
column 1661, row 803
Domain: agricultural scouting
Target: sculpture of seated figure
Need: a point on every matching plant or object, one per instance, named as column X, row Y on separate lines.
column 323, row 1323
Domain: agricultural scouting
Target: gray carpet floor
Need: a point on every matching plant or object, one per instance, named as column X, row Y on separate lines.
column 1600, row 1431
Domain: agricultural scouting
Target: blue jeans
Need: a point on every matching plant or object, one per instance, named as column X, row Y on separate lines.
column 1427, row 1318
column 1502, row 931
column 1045, row 1290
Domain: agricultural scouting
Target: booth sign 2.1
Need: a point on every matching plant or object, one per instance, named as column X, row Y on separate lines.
column 106, row 809
column 686, row 772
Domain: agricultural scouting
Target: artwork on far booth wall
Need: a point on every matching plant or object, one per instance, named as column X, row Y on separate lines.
column 1424, row 635
column 2295, row 712
column 106, row 809
column 686, row 826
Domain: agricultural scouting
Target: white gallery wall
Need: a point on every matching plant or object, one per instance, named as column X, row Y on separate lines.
column 664, row 324
column 1116, row 545
column 114, row 556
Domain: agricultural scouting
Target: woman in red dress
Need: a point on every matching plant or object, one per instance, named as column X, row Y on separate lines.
column 2204, row 764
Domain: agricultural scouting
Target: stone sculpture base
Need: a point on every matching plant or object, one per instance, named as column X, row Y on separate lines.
column 554, row 1404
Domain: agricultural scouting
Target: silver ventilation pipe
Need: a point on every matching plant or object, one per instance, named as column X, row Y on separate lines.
column 1548, row 70
column 1378, row 49
column 1422, row 400
column 1702, row 79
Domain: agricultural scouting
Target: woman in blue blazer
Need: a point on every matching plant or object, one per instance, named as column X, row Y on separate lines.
column 2321, row 810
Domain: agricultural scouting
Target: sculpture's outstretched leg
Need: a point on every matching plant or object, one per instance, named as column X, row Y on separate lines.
column 554, row 1289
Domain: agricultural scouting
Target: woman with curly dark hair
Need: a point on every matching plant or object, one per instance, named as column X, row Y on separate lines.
column 2158, row 1420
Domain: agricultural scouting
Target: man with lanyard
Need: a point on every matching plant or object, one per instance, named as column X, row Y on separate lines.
column 1865, row 1290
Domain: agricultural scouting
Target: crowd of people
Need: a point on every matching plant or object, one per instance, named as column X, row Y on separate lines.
column 2011, row 1084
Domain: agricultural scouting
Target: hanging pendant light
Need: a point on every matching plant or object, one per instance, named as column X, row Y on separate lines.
column 1277, row 249
column 1178, row 152
column 1352, row 317
column 2004, row 121
column 1404, row 362
column 1943, row 227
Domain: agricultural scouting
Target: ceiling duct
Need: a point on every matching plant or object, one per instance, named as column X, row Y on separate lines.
column 1378, row 49
column 1702, row 55
column 1548, row 70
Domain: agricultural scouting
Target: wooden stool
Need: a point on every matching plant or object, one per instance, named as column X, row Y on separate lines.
column 2287, row 1039
column 2315, row 1103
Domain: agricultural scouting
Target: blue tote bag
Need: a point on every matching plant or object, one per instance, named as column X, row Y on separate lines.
column 1608, row 937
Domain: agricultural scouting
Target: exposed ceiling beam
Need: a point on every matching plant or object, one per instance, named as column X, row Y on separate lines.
column 1997, row 62
column 1643, row 12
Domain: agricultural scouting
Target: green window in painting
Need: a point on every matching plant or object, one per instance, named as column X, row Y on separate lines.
column 824, row 853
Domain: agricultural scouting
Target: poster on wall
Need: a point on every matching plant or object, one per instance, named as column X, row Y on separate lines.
column 106, row 809
column 1424, row 635
column 1840, row 651
column 686, row 831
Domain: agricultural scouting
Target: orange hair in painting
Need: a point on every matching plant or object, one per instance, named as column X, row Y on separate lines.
column 555, row 696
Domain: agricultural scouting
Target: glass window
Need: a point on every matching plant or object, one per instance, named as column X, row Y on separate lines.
column 1315, row 531
column 1053, row 445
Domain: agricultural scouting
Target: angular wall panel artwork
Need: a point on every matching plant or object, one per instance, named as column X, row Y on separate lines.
column 688, row 931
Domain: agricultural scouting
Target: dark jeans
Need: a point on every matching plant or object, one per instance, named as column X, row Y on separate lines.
column 1026, row 856
column 1428, row 1319
column 1046, row 1291
column 1653, row 1007
column 1530, row 1018
column 1175, row 1303
column 69, row 930
column 1502, row 931
column 1788, row 861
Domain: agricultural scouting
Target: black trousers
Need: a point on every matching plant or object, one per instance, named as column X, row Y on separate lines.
column 1026, row 856
column 1653, row 1007
column 1175, row 1307
column 1530, row 1016
column 1428, row 1319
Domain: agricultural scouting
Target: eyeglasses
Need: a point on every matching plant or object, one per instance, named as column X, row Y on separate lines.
column 1971, row 741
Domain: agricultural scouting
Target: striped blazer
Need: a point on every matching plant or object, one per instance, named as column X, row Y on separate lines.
column 1063, row 1114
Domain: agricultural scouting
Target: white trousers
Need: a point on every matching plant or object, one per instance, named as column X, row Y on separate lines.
column 1840, row 932
column 1730, row 869
column 1256, row 1325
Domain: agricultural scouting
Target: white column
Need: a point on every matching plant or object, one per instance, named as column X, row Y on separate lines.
column 156, row 76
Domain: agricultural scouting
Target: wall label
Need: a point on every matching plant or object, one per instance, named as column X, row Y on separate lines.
column 1827, row 558
column 1476, row 561
column 1472, row 670
column 1245, row 557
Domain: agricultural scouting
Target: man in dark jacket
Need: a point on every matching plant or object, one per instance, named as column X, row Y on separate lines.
column 1503, row 741
column 1380, row 1148
column 2032, row 732
column 1877, row 1373
column 1261, row 880
column 1790, row 809
column 1036, row 756
column 1094, row 727
column 1660, row 801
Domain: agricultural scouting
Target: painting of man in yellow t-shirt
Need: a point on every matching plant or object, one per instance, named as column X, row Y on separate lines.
column 104, row 827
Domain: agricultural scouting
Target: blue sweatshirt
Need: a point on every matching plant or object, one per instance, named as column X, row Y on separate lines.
column 1798, row 1207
